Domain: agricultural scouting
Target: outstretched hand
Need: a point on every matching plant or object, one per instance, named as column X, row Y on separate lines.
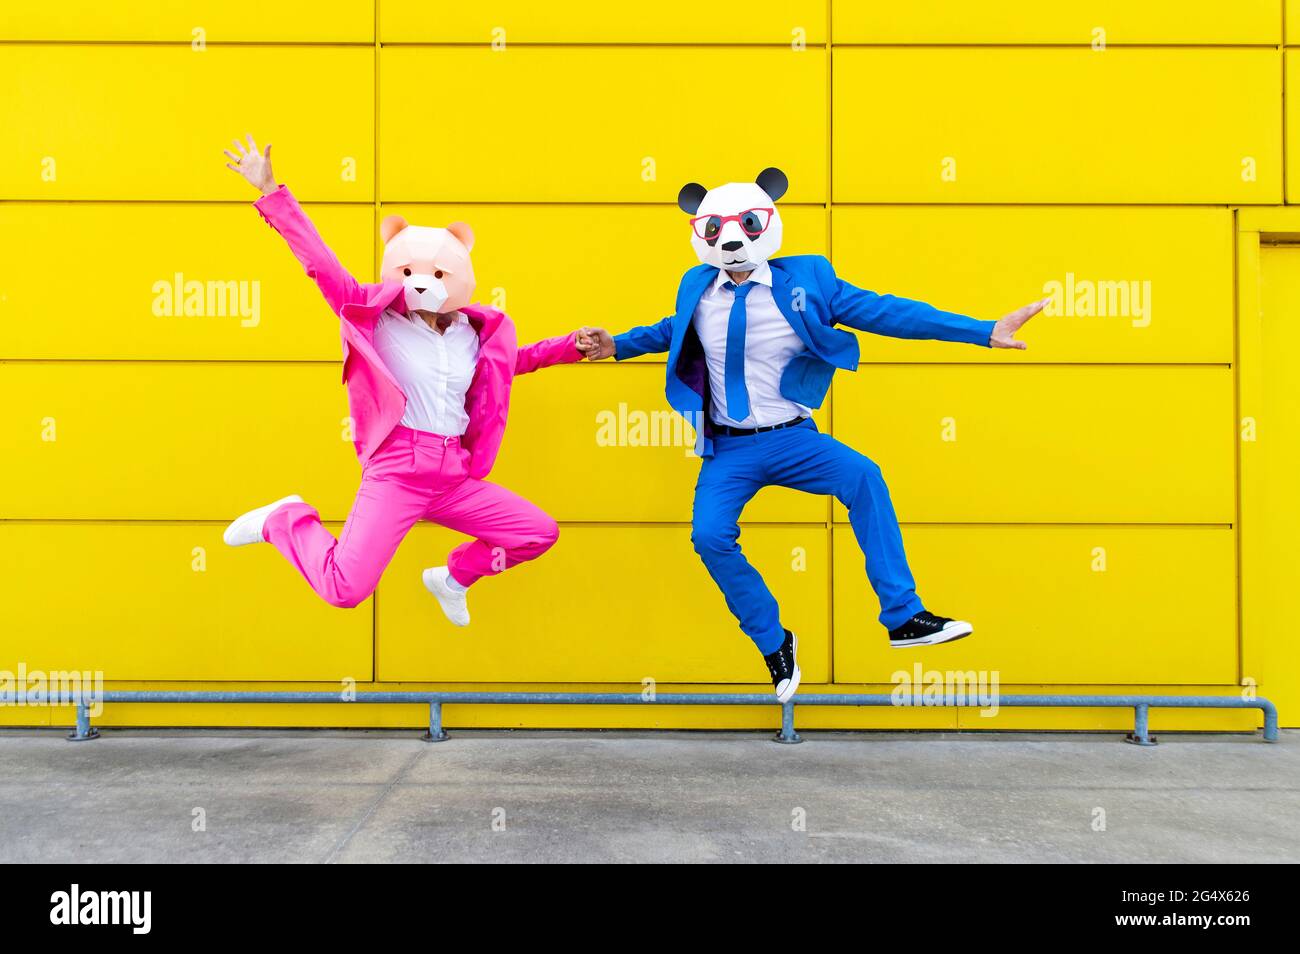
column 1004, row 332
column 595, row 343
column 253, row 165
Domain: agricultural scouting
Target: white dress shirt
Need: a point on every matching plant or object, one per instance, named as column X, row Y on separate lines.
column 434, row 370
column 770, row 343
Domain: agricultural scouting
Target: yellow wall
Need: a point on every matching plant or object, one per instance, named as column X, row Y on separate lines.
column 1087, row 504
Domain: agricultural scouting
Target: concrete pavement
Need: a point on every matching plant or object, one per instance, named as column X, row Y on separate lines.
column 375, row 796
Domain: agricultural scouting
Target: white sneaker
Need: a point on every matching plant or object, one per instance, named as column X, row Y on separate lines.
column 450, row 598
column 248, row 528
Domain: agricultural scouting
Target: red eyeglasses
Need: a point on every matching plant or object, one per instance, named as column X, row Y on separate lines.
column 753, row 221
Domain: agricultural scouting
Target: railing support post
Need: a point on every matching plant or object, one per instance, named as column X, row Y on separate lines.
column 1141, row 734
column 83, row 732
column 1270, row 720
column 787, row 735
column 436, row 732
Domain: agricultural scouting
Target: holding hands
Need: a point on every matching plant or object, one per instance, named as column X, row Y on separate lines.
column 595, row 344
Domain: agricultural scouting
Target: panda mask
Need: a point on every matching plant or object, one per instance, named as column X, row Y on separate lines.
column 735, row 226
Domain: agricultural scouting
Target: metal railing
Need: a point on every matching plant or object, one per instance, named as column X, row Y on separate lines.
column 1140, row 704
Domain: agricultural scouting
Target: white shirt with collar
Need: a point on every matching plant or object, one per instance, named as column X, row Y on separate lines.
column 770, row 343
column 434, row 370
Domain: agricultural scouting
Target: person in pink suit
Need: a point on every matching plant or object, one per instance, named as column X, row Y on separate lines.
column 428, row 377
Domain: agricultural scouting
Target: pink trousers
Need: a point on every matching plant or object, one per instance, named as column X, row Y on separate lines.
column 414, row 475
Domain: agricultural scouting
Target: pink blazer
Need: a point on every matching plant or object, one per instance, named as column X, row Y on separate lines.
column 376, row 401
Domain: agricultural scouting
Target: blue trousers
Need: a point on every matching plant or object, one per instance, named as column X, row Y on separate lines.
column 805, row 459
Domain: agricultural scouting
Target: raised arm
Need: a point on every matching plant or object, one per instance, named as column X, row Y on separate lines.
column 283, row 213
column 905, row 318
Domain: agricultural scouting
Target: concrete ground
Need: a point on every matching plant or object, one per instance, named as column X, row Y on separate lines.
column 313, row 796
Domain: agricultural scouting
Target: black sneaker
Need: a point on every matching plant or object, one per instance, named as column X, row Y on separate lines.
column 784, row 668
column 926, row 629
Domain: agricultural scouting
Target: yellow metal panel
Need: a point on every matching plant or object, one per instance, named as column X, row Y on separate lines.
column 197, row 22
column 1270, row 454
column 1118, row 277
column 607, row 604
column 1039, row 443
column 167, row 601
column 175, row 281
column 600, row 443
column 24, row 715
column 584, row 124
column 538, row 290
column 150, row 122
column 1273, row 218
column 1292, row 125
column 1053, row 605
column 171, row 441
column 1064, row 21
column 1254, row 546
column 1124, row 125
column 673, row 21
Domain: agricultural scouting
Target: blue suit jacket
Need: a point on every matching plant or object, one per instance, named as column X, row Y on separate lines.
column 814, row 300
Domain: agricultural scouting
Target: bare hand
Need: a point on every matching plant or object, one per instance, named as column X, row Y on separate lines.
column 1004, row 332
column 253, row 165
column 595, row 343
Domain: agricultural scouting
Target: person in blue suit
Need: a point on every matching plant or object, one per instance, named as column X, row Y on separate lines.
column 752, row 346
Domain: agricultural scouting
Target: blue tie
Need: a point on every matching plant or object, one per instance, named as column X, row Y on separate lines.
column 737, row 393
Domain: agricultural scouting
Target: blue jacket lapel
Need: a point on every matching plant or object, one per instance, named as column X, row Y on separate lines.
column 694, row 284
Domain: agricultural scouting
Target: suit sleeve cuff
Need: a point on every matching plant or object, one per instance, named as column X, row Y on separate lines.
column 573, row 353
column 275, row 203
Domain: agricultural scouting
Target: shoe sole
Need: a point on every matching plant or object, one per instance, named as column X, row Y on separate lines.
column 793, row 685
column 944, row 636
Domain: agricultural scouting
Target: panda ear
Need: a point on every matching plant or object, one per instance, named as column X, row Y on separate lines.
column 773, row 181
column 689, row 199
column 391, row 225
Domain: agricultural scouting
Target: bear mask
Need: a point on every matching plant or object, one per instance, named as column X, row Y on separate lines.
column 432, row 264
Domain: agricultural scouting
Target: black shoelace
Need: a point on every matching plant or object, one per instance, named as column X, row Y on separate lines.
column 778, row 664
column 929, row 621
